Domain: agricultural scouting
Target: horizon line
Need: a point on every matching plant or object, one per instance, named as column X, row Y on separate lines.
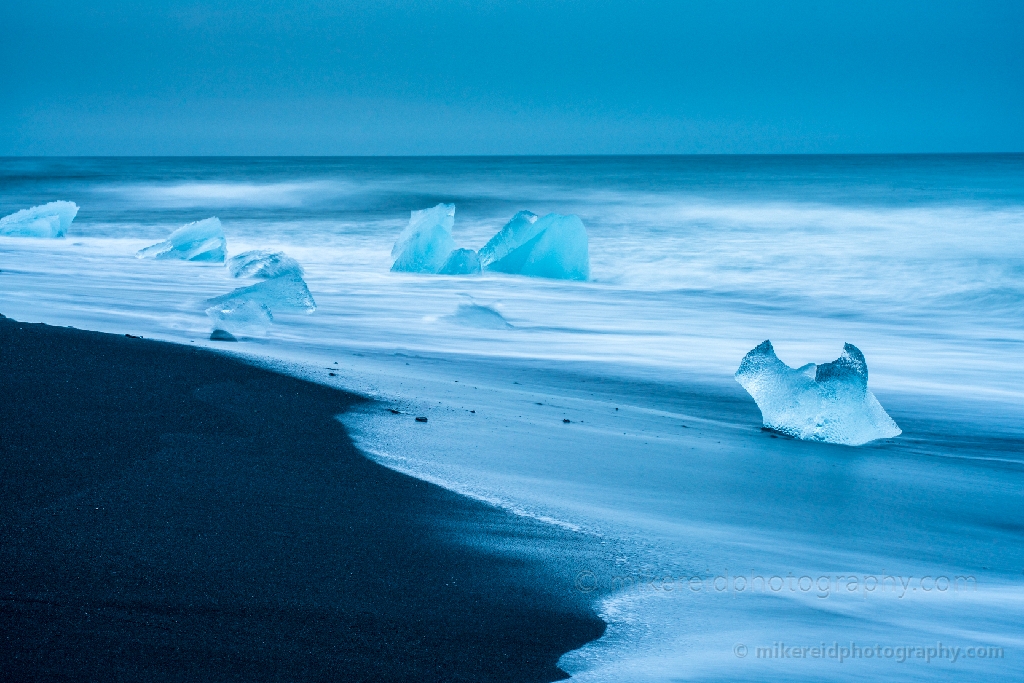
column 509, row 156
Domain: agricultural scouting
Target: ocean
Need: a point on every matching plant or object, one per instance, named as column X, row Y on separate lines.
column 730, row 553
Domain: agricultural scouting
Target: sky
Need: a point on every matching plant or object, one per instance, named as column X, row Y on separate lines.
column 396, row 77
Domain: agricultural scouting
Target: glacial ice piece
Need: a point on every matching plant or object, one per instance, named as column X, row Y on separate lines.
column 239, row 316
column 554, row 246
column 251, row 309
column 461, row 262
column 49, row 220
column 475, row 315
column 263, row 264
column 199, row 241
column 278, row 293
column 424, row 245
column 828, row 402
column 516, row 232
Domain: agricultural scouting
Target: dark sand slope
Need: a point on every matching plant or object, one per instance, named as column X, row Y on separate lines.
column 170, row 513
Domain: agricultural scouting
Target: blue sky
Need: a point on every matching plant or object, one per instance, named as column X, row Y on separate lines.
column 497, row 77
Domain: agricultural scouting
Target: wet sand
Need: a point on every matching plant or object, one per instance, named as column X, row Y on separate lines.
column 170, row 513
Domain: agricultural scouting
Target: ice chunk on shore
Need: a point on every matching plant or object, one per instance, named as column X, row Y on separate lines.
column 49, row 220
column 199, row 241
column 288, row 292
column 424, row 245
column 251, row 309
column 263, row 264
column 461, row 262
column 554, row 246
column 516, row 232
column 828, row 402
column 236, row 316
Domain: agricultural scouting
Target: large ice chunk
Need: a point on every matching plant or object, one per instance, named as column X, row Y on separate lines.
column 199, row 241
column 424, row 245
column 251, row 309
column 554, row 246
column 461, row 262
column 48, row 220
column 828, row 402
column 263, row 264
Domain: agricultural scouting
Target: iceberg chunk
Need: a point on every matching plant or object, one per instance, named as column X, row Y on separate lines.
column 199, row 241
column 554, row 246
column 263, row 264
column 241, row 315
column 828, row 402
column 461, row 262
column 49, row 220
column 424, row 245
column 516, row 232
column 288, row 292
column 251, row 309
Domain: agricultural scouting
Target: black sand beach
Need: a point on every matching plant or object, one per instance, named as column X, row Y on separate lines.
column 174, row 514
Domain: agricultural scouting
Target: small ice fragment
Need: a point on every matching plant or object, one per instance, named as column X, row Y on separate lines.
column 461, row 262
column 424, row 245
column 556, row 247
column 829, row 402
column 222, row 335
column 49, row 220
column 475, row 315
column 515, row 233
column 199, row 241
column 263, row 264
